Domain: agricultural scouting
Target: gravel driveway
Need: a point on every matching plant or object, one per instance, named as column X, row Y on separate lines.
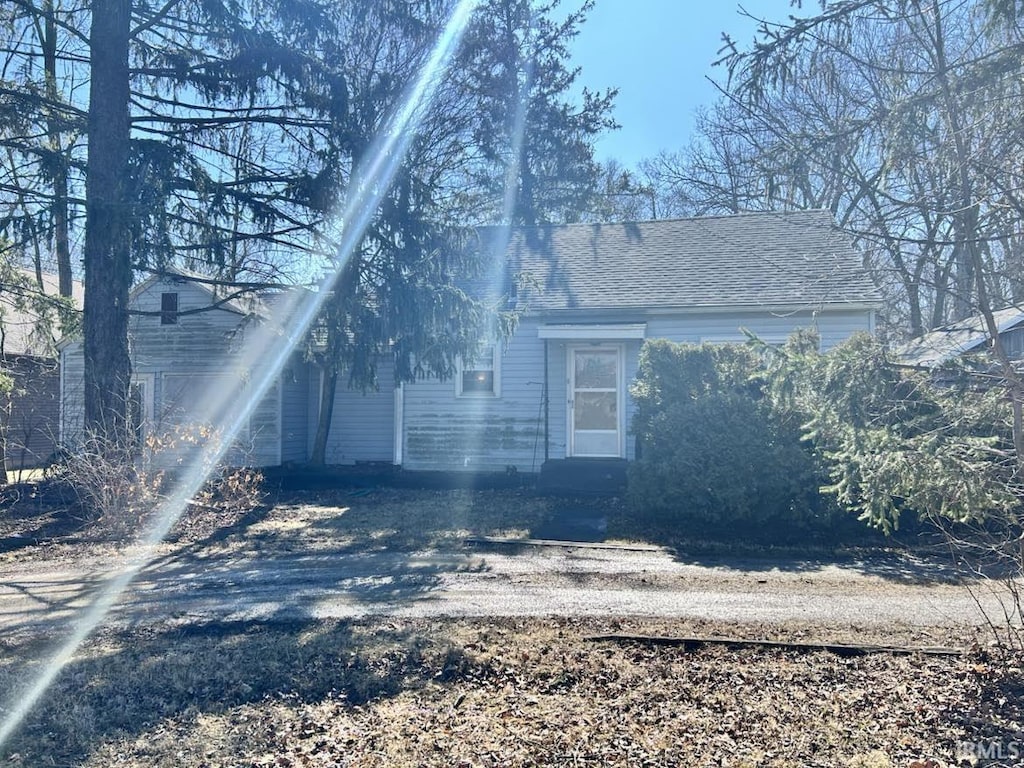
column 485, row 579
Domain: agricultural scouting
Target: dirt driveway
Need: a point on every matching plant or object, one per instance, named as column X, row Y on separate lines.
column 281, row 570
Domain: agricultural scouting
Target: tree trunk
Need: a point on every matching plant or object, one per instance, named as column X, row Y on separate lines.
column 61, row 245
column 323, row 425
column 108, row 270
column 336, row 327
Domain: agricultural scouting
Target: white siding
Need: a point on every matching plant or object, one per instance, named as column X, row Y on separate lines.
column 295, row 405
column 204, row 341
column 837, row 327
column 834, row 327
column 362, row 424
column 72, row 394
column 483, row 433
column 558, row 406
column 442, row 431
column 200, row 347
column 263, row 447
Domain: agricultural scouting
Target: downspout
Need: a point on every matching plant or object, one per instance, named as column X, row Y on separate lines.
column 547, row 401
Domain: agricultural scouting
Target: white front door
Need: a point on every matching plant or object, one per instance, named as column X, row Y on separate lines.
column 595, row 401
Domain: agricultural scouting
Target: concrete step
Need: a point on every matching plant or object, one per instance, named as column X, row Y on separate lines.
column 598, row 477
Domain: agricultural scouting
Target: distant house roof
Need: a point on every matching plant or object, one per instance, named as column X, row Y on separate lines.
column 959, row 338
column 798, row 259
column 20, row 333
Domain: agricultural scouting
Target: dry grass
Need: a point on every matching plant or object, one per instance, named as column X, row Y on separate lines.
column 368, row 520
column 34, row 527
column 385, row 518
column 504, row 693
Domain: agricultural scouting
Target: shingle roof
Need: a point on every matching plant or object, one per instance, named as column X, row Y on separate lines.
column 20, row 331
column 746, row 260
column 950, row 341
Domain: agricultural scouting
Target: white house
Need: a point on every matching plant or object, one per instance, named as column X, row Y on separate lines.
column 558, row 388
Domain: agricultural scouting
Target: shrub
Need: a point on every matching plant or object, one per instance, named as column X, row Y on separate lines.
column 116, row 492
column 120, row 486
column 713, row 445
column 899, row 441
column 936, row 446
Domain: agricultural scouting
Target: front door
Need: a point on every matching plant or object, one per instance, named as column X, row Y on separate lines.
column 595, row 401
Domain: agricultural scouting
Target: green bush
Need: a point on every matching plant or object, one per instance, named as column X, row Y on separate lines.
column 898, row 441
column 714, row 446
column 752, row 434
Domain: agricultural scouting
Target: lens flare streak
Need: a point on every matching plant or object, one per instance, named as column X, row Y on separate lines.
column 266, row 352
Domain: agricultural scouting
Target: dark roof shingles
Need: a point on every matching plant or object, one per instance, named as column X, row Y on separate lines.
column 757, row 259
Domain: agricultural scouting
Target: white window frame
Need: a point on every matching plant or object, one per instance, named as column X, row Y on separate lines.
column 620, row 399
column 148, row 382
column 461, row 369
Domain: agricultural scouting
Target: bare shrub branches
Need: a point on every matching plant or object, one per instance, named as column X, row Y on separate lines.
column 119, row 486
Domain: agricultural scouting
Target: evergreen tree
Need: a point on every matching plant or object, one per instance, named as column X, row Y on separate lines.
column 198, row 119
column 226, row 137
column 535, row 140
column 420, row 289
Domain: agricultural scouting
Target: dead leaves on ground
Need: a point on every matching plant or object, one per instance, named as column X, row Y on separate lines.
column 533, row 693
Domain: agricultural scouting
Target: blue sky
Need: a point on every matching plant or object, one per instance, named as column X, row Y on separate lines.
column 659, row 54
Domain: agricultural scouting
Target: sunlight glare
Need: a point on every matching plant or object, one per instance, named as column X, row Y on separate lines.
column 266, row 353
column 496, row 246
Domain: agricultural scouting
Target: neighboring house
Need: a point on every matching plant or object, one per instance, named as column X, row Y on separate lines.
column 589, row 295
column 967, row 337
column 31, row 410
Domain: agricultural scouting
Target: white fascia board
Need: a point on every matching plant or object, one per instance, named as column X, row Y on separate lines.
column 582, row 315
column 588, row 332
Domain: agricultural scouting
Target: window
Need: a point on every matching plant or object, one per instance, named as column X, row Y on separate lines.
column 481, row 376
column 168, row 309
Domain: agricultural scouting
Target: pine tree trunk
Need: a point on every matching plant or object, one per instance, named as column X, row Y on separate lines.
column 108, row 270
column 5, row 416
column 326, row 413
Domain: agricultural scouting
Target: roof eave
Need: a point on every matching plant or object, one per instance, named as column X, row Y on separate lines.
column 788, row 308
